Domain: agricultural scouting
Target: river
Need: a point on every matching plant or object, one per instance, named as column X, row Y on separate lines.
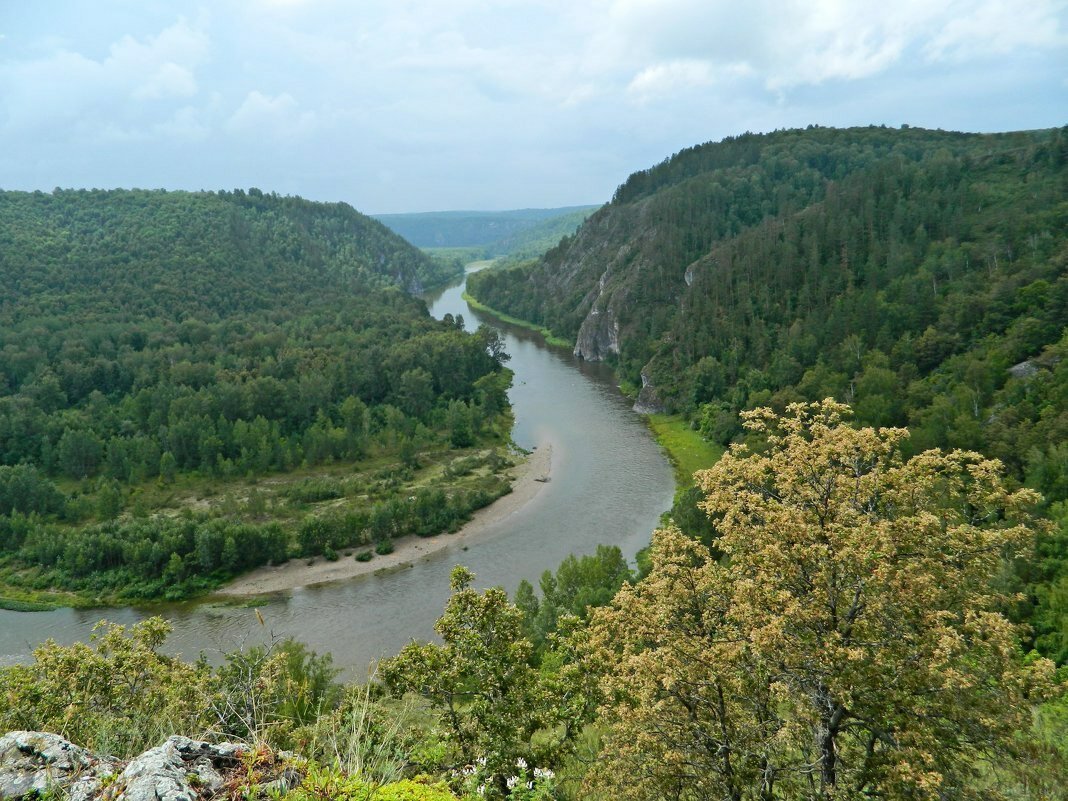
column 610, row 482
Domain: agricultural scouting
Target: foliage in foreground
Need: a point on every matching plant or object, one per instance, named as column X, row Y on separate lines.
column 847, row 645
column 845, row 641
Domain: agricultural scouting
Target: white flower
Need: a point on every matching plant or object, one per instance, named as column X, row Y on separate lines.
column 543, row 773
column 521, row 763
column 530, row 785
column 512, row 782
column 481, row 762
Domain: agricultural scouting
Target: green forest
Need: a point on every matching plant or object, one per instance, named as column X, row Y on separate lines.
column 919, row 276
column 841, row 639
column 161, row 353
column 865, row 596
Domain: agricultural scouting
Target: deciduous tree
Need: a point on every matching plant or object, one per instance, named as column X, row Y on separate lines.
column 846, row 645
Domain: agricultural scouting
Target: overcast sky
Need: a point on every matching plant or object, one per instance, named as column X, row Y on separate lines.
column 414, row 105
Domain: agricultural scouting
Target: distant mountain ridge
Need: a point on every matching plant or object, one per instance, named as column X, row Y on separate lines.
column 494, row 230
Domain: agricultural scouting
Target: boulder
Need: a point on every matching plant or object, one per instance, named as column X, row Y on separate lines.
column 181, row 769
column 33, row 762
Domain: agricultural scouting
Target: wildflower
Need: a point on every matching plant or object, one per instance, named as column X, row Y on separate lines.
column 543, row 773
column 512, row 782
column 521, row 763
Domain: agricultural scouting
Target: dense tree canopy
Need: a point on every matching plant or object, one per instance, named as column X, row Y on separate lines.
column 919, row 276
column 150, row 338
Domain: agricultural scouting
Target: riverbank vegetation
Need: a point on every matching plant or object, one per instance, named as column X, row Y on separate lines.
column 192, row 385
column 550, row 339
column 834, row 644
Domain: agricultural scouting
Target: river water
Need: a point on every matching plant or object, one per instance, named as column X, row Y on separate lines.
column 610, row 482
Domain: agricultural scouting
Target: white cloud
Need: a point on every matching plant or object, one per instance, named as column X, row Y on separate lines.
column 168, row 80
column 471, row 102
column 263, row 114
column 188, row 123
column 103, row 96
column 791, row 43
column 997, row 28
column 669, row 77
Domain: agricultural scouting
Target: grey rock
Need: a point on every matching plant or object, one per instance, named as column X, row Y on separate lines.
column 165, row 773
column 180, row 769
column 1024, row 369
column 648, row 402
column 31, row 762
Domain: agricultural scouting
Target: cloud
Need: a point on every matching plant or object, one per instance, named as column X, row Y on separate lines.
column 997, row 28
column 490, row 102
column 669, row 77
column 793, row 43
column 102, row 96
column 263, row 114
column 188, row 123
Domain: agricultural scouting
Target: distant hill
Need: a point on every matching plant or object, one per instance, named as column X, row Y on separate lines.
column 499, row 232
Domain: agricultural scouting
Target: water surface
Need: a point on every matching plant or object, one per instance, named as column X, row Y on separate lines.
column 610, row 482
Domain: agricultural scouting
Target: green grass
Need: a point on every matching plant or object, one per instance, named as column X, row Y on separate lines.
column 685, row 447
column 550, row 337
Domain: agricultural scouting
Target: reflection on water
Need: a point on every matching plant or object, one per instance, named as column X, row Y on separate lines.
column 609, row 484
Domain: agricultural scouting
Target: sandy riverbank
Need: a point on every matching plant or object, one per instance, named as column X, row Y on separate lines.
column 529, row 479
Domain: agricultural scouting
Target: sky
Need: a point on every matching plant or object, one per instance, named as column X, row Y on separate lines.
column 419, row 105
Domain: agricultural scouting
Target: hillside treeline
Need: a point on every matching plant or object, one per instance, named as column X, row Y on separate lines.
column 146, row 337
column 918, row 275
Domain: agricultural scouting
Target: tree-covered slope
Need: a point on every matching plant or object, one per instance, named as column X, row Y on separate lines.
column 734, row 269
column 159, row 352
column 921, row 276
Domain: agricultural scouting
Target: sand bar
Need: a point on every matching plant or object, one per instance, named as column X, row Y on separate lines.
column 530, row 476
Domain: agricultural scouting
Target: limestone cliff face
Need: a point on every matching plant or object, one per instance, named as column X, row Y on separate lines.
column 598, row 337
column 648, row 401
column 612, row 260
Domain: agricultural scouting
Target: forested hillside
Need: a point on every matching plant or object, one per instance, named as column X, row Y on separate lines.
column 161, row 352
column 918, row 275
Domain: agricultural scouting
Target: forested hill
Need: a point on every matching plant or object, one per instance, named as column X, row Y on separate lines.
column 205, row 253
column 161, row 352
column 920, row 276
column 500, row 232
column 854, row 263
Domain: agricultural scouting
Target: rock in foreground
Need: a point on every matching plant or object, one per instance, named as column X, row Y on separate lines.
column 181, row 769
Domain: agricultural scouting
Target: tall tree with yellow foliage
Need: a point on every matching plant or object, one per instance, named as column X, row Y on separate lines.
column 847, row 645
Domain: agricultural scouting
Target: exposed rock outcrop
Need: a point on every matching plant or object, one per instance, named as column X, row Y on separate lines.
column 648, row 401
column 33, row 763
